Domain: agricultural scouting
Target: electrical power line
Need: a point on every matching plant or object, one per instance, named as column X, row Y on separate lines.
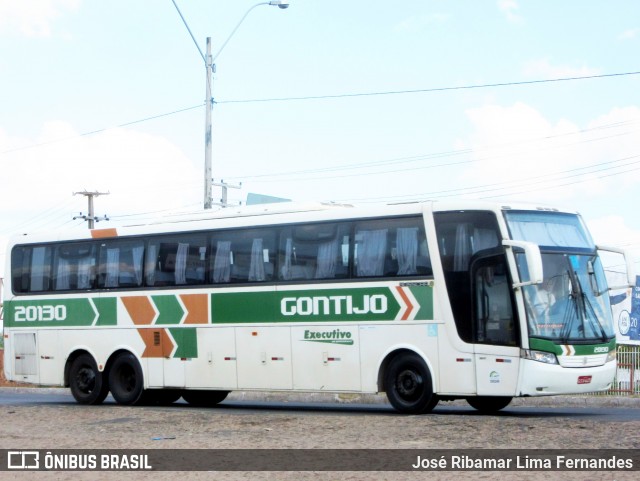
column 301, row 175
column 99, row 131
column 427, row 90
column 327, row 97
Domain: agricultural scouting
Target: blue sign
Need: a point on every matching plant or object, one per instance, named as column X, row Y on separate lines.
column 634, row 316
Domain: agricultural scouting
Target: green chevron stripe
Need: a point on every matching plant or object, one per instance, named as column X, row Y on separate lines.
column 169, row 310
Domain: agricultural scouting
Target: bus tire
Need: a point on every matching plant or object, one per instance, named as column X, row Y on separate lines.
column 204, row 398
column 87, row 383
column 489, row 404
column 408, row 385
column 126, row 380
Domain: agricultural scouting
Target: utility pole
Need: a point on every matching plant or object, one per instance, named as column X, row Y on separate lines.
column 210, row 68
column 207, row 129
column 90, row 217
column 223, row 201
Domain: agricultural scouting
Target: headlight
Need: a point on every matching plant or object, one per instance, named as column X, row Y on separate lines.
column 540, row 356
column 611, row 355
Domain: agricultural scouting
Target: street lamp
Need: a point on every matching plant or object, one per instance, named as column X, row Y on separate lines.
column 210, row 68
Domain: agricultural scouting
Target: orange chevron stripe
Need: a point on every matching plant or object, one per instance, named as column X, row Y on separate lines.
column 197, row 308
column 157, row 343
column 101, row 233
column 406, row 300
column 140, row 309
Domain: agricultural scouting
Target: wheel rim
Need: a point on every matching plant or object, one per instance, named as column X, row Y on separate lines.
column 127, row 378
column 86, row 379
column 409, row 384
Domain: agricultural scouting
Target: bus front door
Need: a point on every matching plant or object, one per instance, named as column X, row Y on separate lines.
column 495, row 326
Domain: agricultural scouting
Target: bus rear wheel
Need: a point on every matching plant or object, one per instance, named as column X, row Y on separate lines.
column 489, row 404
column 86, row 382
column 408, row 385
column 126, row 380
column 204, row 398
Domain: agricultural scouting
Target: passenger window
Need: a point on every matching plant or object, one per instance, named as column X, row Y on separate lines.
column 243, row 256
column 176, row 261
column 314, row 251
column 391, row 248
column 31, row 268
column 120, row 264
column 74, row 266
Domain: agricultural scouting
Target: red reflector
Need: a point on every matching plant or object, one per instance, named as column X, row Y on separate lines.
column 499, row 360
column 584, row 379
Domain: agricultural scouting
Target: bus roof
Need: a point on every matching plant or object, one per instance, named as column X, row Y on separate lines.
column 277, row 213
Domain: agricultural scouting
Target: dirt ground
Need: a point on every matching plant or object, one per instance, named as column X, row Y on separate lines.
column 68, row 426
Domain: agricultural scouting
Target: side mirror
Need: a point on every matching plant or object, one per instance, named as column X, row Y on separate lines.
column 534, row 261
column 628, row 259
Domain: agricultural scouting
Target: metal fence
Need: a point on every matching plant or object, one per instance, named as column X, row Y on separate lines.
column 627, row 382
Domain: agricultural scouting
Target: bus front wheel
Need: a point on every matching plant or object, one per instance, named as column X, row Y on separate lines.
column 126, row 380
column 88, row 385
column 408, row 385
column 489, row 404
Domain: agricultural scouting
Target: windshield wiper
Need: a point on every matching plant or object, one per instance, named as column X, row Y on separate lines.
column 582, row 305
column 579, row 308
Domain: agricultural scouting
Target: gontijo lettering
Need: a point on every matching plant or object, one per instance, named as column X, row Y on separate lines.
column 328, row 305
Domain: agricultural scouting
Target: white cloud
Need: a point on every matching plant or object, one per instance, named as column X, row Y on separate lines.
column 521, row 154
column 542, row 68
column 510, row 8
column 33, row 18
column 629, row 34
column 142, row 172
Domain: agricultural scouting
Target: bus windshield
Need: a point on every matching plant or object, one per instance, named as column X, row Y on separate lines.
column 572, row 302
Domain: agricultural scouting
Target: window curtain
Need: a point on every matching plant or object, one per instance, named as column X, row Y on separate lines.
column 181, row 263
column 484, row 239
column 84, row 273
column 63, row 274
column 113, row 268
column 462, row 253
column 548, row 233
column 407, row 250
column 327, row 260
column 222, row 262
column 138, row 255
column 286, row 268
column 38, row 269
column 256, row 268
column 371, row 252
column 150, row 264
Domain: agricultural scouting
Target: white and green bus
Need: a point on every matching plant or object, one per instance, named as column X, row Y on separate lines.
column 426, row 302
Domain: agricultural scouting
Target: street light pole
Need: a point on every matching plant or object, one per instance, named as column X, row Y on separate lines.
column 207, row 129
column 210, row 69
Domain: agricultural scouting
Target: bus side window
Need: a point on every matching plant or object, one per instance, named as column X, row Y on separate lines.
column 314, row 251
column 243, row 256
column 391, row 248
column 176, row 260
column 31, row 269
column 120, row 264
column 74, row 266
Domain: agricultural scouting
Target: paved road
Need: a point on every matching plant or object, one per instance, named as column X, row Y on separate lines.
column 594, row 408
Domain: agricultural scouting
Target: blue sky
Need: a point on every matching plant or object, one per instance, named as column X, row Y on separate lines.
column 88, row 89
